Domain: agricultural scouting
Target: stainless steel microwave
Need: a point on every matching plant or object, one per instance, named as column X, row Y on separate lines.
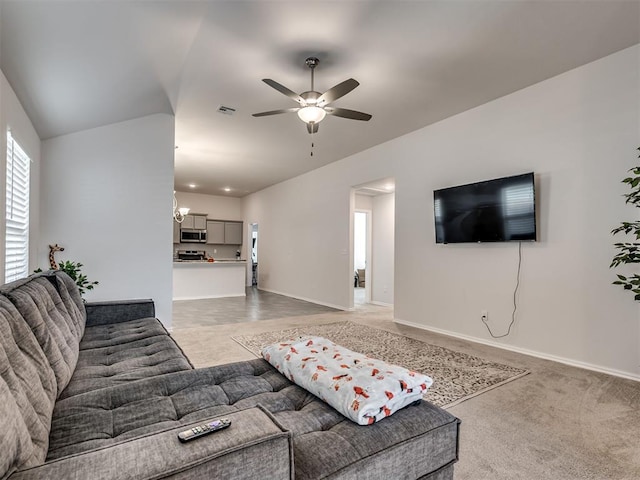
column 189, row 235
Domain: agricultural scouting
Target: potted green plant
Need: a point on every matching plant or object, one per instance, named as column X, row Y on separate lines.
column 629, row 252
column 73, row 270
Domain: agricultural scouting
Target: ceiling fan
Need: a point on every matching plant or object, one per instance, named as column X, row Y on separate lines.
column 315, row 105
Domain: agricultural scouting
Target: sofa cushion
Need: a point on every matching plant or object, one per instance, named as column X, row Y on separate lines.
column 121, row 333
column 104, row 417
column 115, row 311
column 107, row 366
column 325, row 442
column 15, row 443
column 253, row 447
column 27, row 393
column 70, row 295
column 57, row 330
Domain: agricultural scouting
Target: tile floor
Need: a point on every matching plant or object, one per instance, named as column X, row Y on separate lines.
column 257, row 305
column 197, row 324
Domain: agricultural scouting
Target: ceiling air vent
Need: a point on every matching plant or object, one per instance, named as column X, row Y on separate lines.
column 226, row 110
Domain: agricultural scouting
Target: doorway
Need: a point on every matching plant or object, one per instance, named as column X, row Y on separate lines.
column 361, row 256
column 373, row 250
column 253, row 254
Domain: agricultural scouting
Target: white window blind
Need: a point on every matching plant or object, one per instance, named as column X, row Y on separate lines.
column 17, row 212
column 518, row 199
column 519, row 207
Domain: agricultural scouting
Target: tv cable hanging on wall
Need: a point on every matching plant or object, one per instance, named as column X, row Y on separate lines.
column 515, row 304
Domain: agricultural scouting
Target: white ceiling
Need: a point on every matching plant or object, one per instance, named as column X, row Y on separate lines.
column 81, row 64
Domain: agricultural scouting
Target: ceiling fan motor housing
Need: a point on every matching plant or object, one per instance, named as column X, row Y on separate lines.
column 312, row 62
column 310, row 97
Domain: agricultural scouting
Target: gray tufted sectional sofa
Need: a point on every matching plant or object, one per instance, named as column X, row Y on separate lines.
column 100, row 391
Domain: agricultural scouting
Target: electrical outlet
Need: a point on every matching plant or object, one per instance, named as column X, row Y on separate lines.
column 215, row 250
column 484, row 315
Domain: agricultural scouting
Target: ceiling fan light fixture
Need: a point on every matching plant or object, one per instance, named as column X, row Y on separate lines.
column 314, row 106
column 179, row 213
column 311, row 114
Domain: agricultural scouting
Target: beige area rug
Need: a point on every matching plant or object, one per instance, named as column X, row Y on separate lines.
column 456, row 376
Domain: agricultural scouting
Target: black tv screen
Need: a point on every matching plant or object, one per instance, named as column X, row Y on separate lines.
column 500, row 210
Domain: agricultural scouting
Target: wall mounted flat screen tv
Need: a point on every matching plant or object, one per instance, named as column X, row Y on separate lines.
column 500, row 210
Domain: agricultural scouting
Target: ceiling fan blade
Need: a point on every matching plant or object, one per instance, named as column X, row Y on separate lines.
column 312, row 127
column 282, row 89
column 346, row 113
column 336, row 92
column 276, row 112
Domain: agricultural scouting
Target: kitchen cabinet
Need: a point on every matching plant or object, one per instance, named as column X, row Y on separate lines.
column 224, row 233
column 176, row 232
column 197, row 222
column 200, row 222
column 215, row 232
column 233, row 233
column 187, row 222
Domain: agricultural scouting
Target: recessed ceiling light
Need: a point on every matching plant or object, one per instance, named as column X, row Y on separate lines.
column 227, row 189
column 192, row 185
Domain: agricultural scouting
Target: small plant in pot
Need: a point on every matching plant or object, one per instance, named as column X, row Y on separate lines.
column 629, row 252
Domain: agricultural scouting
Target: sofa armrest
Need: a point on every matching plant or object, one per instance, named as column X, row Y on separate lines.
column 103, row 313
column 254, row 446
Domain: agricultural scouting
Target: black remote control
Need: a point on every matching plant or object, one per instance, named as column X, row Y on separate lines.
column 204, row 429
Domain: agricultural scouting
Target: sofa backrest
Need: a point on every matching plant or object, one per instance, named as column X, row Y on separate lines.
column 70, row 295
column 28, row 390
column 47, row 304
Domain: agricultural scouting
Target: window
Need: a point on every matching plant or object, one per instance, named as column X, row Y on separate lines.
column 16, row 264
column 519, row 218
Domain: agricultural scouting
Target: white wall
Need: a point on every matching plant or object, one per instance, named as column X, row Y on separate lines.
column 14, row 118
column 107, row 198
column 304, row 239
column 382, row 246
column 578, row 132
column 217, row 207
column 364, row 202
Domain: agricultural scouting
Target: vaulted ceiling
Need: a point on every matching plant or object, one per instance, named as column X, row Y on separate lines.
column 81, row 64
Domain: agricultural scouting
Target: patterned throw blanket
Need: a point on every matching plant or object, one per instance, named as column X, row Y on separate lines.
column 363, row 389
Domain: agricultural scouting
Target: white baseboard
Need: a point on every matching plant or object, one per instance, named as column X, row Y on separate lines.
column 525, row 351
column 310, row 300
column 210, row 296
column 381, row 304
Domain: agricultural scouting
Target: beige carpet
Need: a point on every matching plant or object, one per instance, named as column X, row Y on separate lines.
column 557, row 423
column 456, row 376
